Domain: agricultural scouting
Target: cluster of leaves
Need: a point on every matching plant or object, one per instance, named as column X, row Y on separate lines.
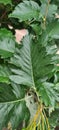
column 29, row 71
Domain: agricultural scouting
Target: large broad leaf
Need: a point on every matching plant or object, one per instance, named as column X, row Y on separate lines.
column 6, row 1
column 26, row 11
column 7, row 43
column 13, row 108
column 33, row 63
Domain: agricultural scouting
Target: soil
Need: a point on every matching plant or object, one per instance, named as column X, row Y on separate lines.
column 57, row 128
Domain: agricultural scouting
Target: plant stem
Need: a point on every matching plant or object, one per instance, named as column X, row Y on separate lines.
column 47, row 7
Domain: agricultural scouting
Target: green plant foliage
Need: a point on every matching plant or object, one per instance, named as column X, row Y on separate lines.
column 6, row 2
column 26, row 11
column 52, row 31
column 48, row 93
column 54, row 119
column 32, row 67
column 29, row 71
column 12, row 105
column 4, row 74
column 52, row 9
column 7, row 43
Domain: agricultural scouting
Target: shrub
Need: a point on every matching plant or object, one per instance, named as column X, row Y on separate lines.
column 29, row 71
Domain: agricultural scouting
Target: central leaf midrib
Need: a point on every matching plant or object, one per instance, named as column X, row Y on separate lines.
column 32, row 70
column 16, row 101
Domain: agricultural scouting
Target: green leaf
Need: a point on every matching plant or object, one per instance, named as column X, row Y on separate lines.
column 52, row 9
column 33, row 60
column 7, row 43
column 12, row 106
column 34, row 63
column 48, row 93
column 4, row 74
column 54, row 119
column 38, row 31
column 26, row 11
column 6, row 1
column 44, row 1
column 52, row 31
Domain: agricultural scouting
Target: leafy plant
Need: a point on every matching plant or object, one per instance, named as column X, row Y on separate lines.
column 29, row 83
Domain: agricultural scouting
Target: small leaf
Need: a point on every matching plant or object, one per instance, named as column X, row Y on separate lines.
column 54, row 119
column 7, row 43
column 38, row 31
column 48, row 93
column 4, row 74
